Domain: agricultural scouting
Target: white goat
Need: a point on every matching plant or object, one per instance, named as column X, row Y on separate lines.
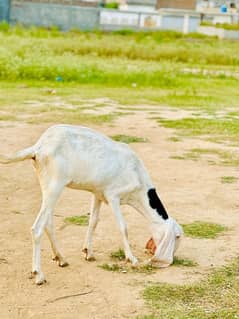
column 81, row 158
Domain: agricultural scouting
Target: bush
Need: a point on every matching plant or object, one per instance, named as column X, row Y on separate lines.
column 111, row 5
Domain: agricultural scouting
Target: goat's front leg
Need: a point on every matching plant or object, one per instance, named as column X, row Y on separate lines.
column 94, row 217
column 115, row 205
column 57, row 256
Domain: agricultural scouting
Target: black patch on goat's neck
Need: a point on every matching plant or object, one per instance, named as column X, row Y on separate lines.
column 156, row 203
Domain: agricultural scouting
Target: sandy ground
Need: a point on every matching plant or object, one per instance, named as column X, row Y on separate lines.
column 191, row 190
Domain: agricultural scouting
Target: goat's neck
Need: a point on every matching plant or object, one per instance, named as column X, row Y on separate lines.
column 148, row 204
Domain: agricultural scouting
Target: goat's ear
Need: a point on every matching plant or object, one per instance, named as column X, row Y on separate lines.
column 166, row 244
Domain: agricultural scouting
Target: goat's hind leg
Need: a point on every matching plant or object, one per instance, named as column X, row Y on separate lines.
column 50, row 194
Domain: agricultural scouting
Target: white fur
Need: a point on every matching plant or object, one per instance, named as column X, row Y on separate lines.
column 81, row 158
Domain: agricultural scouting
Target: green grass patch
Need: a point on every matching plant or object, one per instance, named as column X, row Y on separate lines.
column 82, row 220
column 127, row 60
column 185, row 262
column 226, row 26
column 211, row 298
column 118, row 255
column 226, row 158
column 129, row 139
column 200, row 229
column 225, row 129
column 112, row 267
column 124, row 268
column 154, row 46
column 174, row 139
column 228, row 179
column 71, row 117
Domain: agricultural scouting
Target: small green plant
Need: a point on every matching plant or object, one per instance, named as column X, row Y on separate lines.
column 124, row 268
column 111, row 5
column 228, row 179
column 111, row 267
column 178, row 157
column 145, row 269
column 184, row 262
column 174, row 139
column 4, row 26
column 118, row 255
column 200, row 229
column 128, row 139
column 82, row 220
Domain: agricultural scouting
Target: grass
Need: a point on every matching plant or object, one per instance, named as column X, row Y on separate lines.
column 112, row 267
column 212, row 298
column 227, row 158
column 228, row 179
column 154, row 46
column 223, row 129
column 226, row 26
column 128, row 61
column 71, row 117
column 185, row 262
column 174, row 139
column 200, row 229
column 82, row 220
column 128, row 139
column 116, row 267
column 118, row 255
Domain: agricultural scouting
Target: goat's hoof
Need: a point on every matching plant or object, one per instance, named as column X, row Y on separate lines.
column 90, row 258
column 60, row 261
column 40, row 280
column 63, row 264
column 133, row 260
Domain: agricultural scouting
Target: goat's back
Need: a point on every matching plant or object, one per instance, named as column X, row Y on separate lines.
column 88, row 159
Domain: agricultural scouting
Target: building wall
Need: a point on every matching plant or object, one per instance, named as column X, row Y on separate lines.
column 64, row 17
column 81, row 3
column 4, row 10
column 176, row 4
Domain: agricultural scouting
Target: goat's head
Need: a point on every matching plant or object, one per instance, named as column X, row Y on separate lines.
column 165, row 241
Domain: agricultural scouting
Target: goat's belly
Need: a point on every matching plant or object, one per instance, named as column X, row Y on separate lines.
column 98, row 193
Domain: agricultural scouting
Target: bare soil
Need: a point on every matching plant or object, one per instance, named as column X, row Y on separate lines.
column 191, row 190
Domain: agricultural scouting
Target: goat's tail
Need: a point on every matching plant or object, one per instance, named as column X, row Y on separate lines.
column 22, row 155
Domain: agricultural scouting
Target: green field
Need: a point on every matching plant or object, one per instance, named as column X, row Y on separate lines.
column 173, row 69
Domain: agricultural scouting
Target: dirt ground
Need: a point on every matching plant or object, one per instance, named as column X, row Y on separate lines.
column 191, row 190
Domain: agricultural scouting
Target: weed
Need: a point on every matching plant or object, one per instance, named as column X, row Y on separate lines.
column 174, row 139
column 228, row 179
column 111, row 267
column 128, row 139
column 119, row 254
column 199, row 229
column 124, row 268
column 184, row 262
column 82, row 220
